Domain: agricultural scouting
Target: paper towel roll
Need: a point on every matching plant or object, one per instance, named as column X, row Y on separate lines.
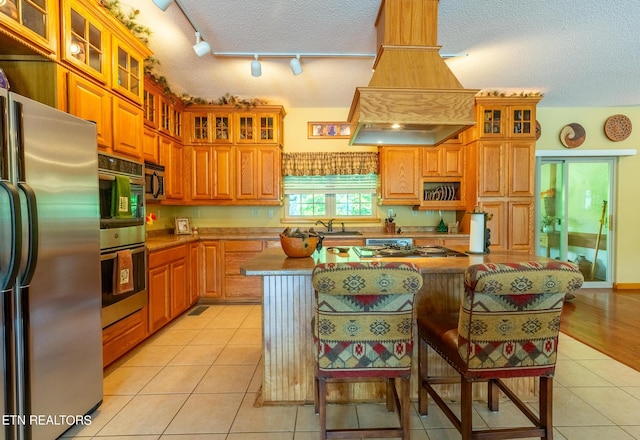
column 476, row 233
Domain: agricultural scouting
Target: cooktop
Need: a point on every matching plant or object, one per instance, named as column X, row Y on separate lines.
column 400, row 250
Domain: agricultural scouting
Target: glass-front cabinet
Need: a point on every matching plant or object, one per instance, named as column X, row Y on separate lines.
column 85, row 44
column 500, row 120
column 128, row 70
column 33, row 20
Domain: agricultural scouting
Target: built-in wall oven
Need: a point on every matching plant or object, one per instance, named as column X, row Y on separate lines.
column 122, row 239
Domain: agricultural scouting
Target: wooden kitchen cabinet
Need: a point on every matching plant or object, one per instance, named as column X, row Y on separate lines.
column 210, row 259
column 212, row 173
column 128, row 126
column 92, row 102
column 32, row 23
column 258, row 171
column 400, row 175
column 172, row 157
column 221, row 280
column 122, row 336
column 500, row 169
column 151, row 145
column 264, row 126
column 194, row 272
column 445, row 160
column 86, row 40
column 127, row 72
column 237, row 287
column 168, row 285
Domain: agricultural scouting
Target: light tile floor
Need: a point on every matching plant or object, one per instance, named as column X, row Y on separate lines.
column 198, row 379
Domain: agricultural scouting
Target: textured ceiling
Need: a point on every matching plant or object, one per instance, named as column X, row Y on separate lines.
column 577, row 53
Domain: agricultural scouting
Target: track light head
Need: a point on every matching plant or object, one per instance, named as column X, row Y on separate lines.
column 256, row 67
column 201, row 47
column 162, row 4
column 296, row 68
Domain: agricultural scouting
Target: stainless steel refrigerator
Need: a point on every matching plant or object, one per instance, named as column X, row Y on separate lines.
column 49, row 270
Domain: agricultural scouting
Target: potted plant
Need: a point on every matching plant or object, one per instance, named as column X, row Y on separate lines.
column 548, row 223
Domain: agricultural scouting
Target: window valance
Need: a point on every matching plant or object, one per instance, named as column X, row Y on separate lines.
column 322, row 164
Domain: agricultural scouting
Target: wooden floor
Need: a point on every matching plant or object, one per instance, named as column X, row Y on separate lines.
column 606, row 320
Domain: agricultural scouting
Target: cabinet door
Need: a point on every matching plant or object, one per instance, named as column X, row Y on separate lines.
column 85, row 42
column 400, row 175
column 258, row 173
column 150, row 145
column 93, row 103
column 193, row 270
column 165, row 116
column 200, row 130
column 179, row 287
column 237, row 286
column 159, row 308
column 171, row 156
column 491, row 171
column 431, row 161
column 150, row 106
column 452, row 160
column 498, row 224
column 492, row 120
column 32, row 22
column 521, row 169
column 268, row 128
column 223, row 172
column 201, row 168
column 521, row 226
column 522, row 121
column 210, row 272
column 127, row 71
column 246, row 128
column 127, row 128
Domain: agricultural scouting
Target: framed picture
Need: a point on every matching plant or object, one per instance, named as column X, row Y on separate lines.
column 329, row 130
column 182, row 226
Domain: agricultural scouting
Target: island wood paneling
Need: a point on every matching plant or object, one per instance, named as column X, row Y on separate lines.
column 289, row 349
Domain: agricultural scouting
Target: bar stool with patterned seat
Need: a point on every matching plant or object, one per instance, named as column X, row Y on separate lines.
column 363, row 328
column 507, row 327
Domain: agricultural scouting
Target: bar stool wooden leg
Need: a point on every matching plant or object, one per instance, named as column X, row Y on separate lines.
column 322, row 407
column 423, row 369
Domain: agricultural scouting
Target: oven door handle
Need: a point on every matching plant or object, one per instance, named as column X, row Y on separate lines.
column 111, row 177
column 113, row 255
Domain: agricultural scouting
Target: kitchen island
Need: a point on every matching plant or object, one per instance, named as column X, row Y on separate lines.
column 288, row 303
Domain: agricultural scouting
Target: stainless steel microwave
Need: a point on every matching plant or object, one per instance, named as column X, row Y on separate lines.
column 153, row 182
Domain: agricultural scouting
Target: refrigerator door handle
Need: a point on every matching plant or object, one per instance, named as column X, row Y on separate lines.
column 32, row 215
column 32, row 209
column 4, row 140
column 16, row 235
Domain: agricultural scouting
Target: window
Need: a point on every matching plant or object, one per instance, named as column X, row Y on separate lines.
column 349, row 196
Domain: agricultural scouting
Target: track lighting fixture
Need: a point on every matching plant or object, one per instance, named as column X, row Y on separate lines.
column 256, row 67
column 162, row 4
column 201, row 47
column 296, row 68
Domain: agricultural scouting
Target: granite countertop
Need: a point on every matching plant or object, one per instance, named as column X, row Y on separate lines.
column 161, row 240
column 274, row 262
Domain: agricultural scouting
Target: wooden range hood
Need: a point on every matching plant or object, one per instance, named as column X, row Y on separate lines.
column 413, row 98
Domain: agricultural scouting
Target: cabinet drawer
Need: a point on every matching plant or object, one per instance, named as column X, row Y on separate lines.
column 239, row 286
column 233, row 261
column 122, row 336
column 158, row 258
column 242, row 246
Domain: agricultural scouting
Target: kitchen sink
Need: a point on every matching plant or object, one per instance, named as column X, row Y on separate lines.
column 325, row 233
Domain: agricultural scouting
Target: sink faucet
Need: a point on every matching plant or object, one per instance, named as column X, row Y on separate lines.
column 328, row 225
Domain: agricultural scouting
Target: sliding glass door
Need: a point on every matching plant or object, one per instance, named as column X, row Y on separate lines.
column 575, row 206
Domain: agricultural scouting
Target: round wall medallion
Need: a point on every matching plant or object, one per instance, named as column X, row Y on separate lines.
column 572, row 135
column 617, row 128
column 538, row 130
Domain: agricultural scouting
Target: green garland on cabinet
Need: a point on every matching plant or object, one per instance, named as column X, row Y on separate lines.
column 143, row 33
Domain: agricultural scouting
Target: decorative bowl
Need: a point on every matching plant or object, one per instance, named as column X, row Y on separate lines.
column 298, row 247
